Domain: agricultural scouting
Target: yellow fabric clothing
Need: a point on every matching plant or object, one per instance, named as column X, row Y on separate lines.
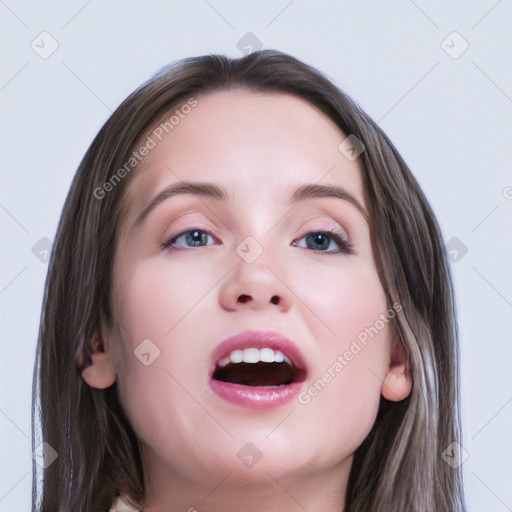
column 121, row 504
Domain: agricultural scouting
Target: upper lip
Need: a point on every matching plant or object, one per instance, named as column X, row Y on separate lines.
column 258, row 339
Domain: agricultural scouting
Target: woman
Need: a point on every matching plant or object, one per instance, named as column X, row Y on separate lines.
column 248, row 305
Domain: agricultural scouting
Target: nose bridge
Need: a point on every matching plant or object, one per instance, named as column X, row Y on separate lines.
column 260, row 245
column 256, row 280
column 256, row 260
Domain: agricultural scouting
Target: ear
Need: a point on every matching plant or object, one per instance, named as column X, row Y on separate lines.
column 397, row 383
column 101, row 373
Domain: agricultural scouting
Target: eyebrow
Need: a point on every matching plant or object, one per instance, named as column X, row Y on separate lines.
column 212, row 191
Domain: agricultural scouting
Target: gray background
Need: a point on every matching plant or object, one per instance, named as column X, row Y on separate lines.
column 447, row 110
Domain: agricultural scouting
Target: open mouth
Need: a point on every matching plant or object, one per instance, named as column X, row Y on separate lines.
column 258, row 367
column 257, row 370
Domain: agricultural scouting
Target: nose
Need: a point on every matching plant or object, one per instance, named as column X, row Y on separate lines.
column 255, row 286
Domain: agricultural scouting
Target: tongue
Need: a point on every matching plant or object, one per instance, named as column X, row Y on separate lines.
column 255, row 374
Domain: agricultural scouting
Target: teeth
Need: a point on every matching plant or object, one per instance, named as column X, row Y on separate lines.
column 254, row 355
column 267, row 355
column 251, row 355
column 224, row 362
column 278, row 358
column 236, row 356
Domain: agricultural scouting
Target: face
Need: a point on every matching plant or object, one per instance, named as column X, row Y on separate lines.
column 276, row 252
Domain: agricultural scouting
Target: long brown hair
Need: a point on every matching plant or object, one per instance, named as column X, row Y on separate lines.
column 399, row 466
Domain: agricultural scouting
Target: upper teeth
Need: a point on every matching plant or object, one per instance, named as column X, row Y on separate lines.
column 254, row 355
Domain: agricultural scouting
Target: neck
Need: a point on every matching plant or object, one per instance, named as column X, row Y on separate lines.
column 245, row 490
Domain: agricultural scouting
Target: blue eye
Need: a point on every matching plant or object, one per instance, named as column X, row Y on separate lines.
column 326, row 241
column 191, row 238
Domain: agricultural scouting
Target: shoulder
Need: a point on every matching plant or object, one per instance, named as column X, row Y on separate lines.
column 121, row 504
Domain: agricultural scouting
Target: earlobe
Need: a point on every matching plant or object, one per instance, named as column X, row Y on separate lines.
column 101, row 373
column 397, row 383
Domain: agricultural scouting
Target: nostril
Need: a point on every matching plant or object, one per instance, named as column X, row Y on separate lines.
column 246, row 298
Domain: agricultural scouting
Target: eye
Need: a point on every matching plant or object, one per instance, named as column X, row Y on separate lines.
column 191, row 238
column 321, row 241
column 326, row 241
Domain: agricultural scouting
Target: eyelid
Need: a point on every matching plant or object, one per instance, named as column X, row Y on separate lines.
column 327, row 225
column 172, row 238
column 189, row 221
column 344, row 245
column 339, row 238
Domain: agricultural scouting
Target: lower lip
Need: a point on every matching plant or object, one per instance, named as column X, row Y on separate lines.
column 255, row 397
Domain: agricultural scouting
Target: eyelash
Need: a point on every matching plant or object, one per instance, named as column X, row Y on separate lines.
column 344, row 246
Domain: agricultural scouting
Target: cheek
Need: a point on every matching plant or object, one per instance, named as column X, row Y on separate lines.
column 343, row 393
column 343, row 405
column 160, row 341
column 347, row 298
column 157, row 295
column 342, row 396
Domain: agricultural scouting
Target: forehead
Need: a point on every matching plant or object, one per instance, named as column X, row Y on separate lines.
column 247, row 141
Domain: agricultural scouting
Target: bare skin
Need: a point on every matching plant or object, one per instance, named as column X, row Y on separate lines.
column 260, row 149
